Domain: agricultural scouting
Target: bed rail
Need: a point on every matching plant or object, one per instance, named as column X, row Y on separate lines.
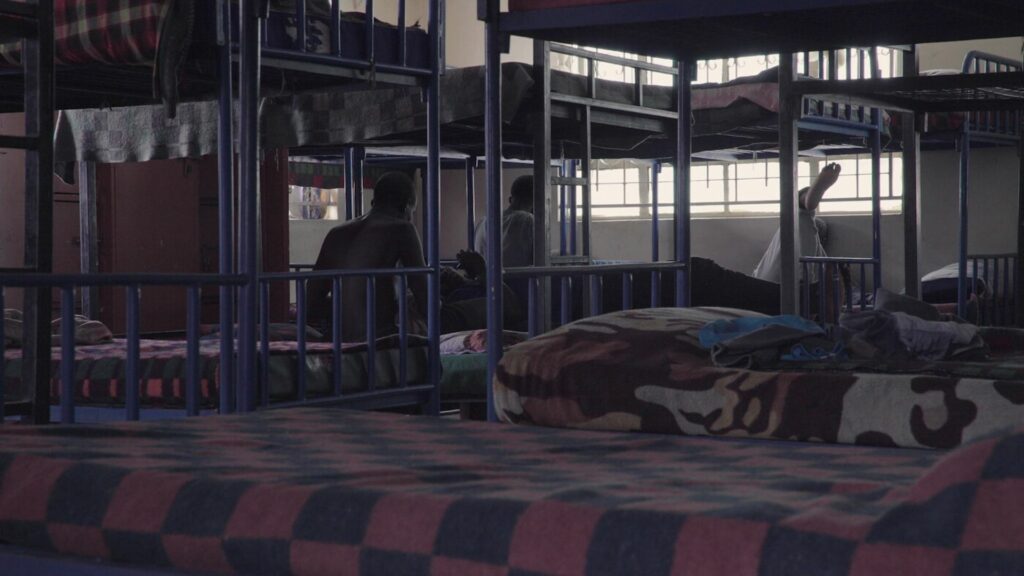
column 998, row 305
column 836, row 276
column 303, row 55
column 593, row 275
column 373, row 396
column 1000, row 124
column 132, row 284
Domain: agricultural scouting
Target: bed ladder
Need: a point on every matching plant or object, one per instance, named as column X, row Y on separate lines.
column 33, row 24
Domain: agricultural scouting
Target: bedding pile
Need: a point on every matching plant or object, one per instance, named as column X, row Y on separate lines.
column 645, row 370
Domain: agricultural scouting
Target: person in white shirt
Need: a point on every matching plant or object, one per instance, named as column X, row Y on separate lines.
column 516, row 227
column 770, row 267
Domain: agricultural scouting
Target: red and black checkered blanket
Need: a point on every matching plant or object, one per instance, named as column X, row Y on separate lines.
column 322, row 491
column 101, row 32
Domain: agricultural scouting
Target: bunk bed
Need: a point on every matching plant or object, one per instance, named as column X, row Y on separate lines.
column 316, row 491
column 206, row 38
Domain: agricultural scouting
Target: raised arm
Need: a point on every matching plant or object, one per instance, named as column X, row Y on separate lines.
column 811, row 197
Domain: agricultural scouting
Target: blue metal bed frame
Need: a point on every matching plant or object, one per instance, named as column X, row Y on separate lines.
column 243, row 276
column 622, row 26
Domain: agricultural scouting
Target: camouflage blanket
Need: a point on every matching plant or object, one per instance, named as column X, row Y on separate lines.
column 325, row 491
column 644, row 370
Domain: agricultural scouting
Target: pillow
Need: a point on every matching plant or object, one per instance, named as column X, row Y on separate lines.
column 86, row 331
column 893, row 302
column 475, row 341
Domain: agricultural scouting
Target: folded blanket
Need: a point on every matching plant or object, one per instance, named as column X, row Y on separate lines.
column 86, row 331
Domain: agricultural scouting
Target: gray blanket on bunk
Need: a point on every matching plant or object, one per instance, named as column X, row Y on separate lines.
column 142, row 133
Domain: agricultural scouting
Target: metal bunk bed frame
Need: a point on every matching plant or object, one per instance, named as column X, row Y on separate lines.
column 699, row 31
column 243, row 276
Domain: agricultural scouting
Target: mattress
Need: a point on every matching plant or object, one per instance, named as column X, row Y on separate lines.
column 644, row 370
column 100, row 371
column 522, row 5
column 316, row 491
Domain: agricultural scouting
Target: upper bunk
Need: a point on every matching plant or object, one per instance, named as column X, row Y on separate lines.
column 110, row 54
column 696, row 30
column 674, row 28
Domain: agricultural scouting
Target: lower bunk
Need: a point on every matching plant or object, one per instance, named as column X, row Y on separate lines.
column 645, row 370
column 327, row 491
column 100, row 370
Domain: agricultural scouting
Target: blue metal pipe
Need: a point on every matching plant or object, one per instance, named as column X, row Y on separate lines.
column 655, row 237
column 225, row 213
column 563, row 223
column 336, row 27
column 358, row 155
column 350, row 168
column 470, row 202
column 402, row 41
column 67, row 356
column 249, row 192
column 684, row 146
column 3, row 354
column 492, row 140
column 876, row 196
column 595, row 295
column 566, row 309
column 264, row 356
column 131, row 374
column 531, row 307
column 371, row 333
column 369, row 38
column 192, row 360
column 573, row 164
column 433, row 192
column 627, row 291
column 965, row 157
column 300, row 25
column 336, row 319
column 403, row 330
column 300, row 340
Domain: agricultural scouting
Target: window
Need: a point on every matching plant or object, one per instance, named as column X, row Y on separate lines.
column 316, row 190
column 309, row 203
column 622, row 188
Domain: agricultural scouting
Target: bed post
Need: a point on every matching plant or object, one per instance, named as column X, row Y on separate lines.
column 350, row 168
column 249, row 190
column 358, row 154
column 961, row 281
column 38, row 303
column 488, row 11
column 433, row 209
column 225, row 211
column 471, row 203
column 911, row 189
column 684, row 145
column 789, row 224
column 655, row 235
column 876, row 199
column 1018, row 289
column 88, row 245
column 541, row 179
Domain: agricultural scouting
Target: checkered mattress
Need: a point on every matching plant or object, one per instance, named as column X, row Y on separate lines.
column 315, row 491
column 100, row 370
